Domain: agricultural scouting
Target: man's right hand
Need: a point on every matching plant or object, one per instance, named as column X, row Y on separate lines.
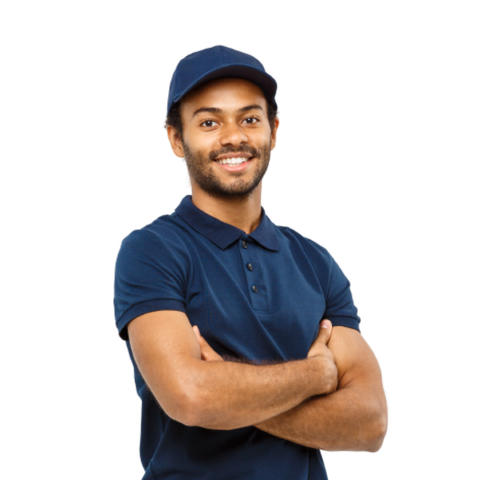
column 319, row 348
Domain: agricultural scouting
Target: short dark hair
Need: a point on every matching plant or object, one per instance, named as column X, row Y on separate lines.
column 174, row 120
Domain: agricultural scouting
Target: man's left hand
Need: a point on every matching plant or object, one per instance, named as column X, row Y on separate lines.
column 208, row 353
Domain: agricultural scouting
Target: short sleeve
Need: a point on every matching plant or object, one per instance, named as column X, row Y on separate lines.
column 150, row 275
column 340, row 308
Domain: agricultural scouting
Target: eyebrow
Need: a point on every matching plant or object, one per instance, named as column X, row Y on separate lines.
column 219, row 110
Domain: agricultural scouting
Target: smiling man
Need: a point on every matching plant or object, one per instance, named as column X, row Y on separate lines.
column 243, row 335
column 226, row 146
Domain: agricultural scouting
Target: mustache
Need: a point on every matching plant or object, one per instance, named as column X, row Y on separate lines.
column 252, row 152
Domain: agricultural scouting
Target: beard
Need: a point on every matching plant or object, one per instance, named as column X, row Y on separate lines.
column 201, row 170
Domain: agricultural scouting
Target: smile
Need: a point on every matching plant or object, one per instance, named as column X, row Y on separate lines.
column 233, row 161
column 237, row 165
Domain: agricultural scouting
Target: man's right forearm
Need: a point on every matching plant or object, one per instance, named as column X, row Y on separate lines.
column 229, row 395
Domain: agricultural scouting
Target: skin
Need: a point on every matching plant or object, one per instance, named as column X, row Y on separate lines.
column 231, row 197
column 354, row 417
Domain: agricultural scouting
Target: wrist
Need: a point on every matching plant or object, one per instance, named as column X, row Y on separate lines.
column 325, row 375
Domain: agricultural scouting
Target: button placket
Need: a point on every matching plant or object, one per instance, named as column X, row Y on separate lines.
column 250, row 267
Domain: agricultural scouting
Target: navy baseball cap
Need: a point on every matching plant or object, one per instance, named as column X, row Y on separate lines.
column 218, row 62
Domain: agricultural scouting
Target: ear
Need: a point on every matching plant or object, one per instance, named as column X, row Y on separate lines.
column 276, row 122
column 176, row 142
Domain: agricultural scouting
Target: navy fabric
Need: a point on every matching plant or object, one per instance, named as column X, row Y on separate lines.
column 217, row 62
column 259, row 297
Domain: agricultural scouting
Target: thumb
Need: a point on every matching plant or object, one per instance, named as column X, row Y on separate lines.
column 325, row 331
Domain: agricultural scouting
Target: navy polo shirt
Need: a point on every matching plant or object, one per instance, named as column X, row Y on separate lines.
column 258, row 296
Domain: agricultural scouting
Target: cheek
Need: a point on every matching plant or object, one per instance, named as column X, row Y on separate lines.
column 202, row 144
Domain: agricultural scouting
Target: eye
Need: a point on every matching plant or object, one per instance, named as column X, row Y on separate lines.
column 208, row 123
column 251, row 120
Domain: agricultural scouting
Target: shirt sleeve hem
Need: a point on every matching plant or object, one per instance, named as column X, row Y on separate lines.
column 146, row 307
column 344, row 322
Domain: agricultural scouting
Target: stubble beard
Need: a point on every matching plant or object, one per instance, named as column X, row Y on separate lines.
column 201, row 170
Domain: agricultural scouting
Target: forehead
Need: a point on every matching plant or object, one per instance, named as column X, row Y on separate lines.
column 224, row 93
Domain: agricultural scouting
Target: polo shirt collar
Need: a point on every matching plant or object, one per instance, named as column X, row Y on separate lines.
column 223, row 234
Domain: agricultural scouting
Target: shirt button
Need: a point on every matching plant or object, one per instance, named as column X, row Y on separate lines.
column 250, row 266
column 254, row 288
column 244, row 244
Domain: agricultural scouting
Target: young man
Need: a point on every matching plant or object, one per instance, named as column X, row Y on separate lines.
column 243, row 335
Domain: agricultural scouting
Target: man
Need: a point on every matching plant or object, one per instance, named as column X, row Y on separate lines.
column 243, row 335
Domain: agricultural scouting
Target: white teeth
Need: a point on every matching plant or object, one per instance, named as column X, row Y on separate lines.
column 233, row 162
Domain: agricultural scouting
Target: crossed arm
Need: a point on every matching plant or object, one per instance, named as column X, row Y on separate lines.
column 354, row 417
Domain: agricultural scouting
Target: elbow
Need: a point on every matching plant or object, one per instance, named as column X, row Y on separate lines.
column 370, row 444
column 204, row 413
column 185, row 414
column 200, row 410
column 191, row 403
column 193, row 410
column 382, row 426
column 187, row 409
column 178, row 409
column 200, row 404
column 365, row 442
column 372, row 439
column 378, row 440
column 366, row 435
column 181, row 404
column 378, row 422
column 376, row 443
column 383, row 435
column 181, row 411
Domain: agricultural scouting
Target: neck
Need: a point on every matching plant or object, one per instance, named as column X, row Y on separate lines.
column 244, row 212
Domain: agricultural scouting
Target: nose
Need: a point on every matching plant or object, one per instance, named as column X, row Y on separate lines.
column 232, row 134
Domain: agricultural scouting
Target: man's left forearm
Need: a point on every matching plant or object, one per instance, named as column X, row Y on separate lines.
column 352, row 418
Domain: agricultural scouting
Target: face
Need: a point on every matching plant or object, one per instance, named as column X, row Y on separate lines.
column 227, row 138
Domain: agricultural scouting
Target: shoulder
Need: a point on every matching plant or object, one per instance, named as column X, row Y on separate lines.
column 163, row 229
column 312, row 249
column 304, row 249
column 160, row 240
column 161, row 232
